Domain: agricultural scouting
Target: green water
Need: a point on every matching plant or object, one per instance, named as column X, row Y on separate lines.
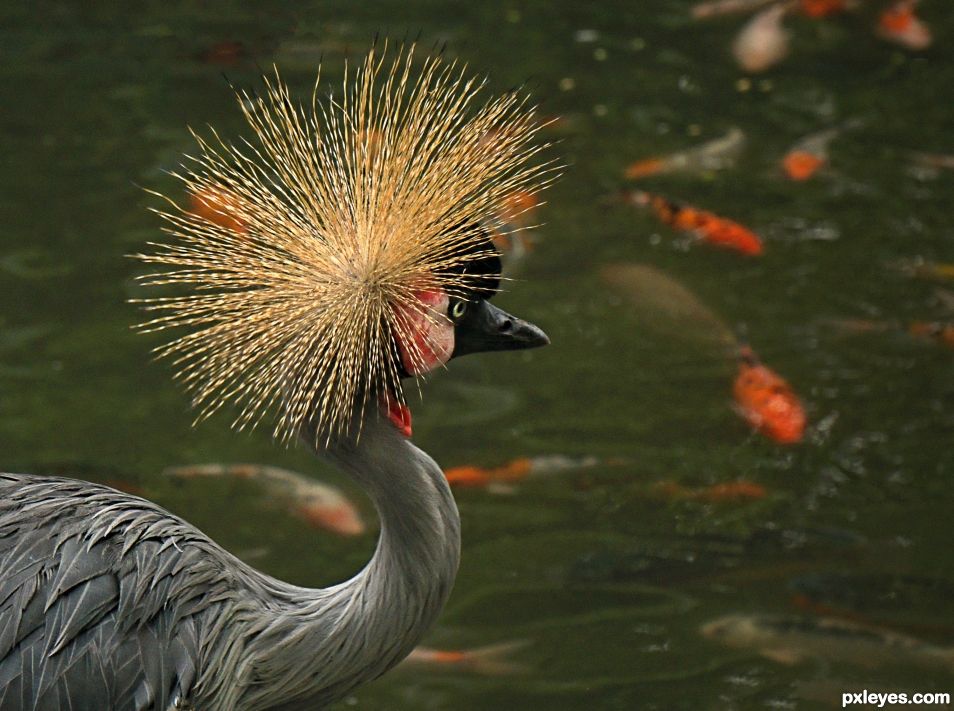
column 608, row 582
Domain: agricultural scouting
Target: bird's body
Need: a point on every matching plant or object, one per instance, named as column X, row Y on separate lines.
column 108, row 598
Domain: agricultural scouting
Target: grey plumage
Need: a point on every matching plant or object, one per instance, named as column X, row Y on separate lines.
column 109, row 602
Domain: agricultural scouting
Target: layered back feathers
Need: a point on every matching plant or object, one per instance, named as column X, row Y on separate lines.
column 318, row 228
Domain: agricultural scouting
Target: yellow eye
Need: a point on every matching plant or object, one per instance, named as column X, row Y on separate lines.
column 458, row 309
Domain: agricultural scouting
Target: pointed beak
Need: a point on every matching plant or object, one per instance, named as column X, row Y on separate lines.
column 484, row 327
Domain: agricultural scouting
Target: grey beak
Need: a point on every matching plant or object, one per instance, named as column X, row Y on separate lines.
column 484, row 327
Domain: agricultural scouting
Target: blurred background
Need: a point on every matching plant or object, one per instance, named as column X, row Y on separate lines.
column 726, row 485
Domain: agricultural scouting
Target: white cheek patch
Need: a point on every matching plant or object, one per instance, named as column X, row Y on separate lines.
column 425, row 336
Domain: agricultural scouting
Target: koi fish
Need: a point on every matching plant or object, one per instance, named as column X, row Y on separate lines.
column 319, row 505
column 723, row 492
column 228, row 53
column 925, row 270
column 789, row 640
column 818, row 9
column 714, row 8
column 766, row 401
column 717, row 154
column 763, row 42
column 491, row 660
column 516, row 470
column 219, row 206
column 933, row 161
column 898, row 23
column 509, row 230
column 937, row 331
column 667, row 307
column 809, row 155
column 914, row 602
column 706, row 226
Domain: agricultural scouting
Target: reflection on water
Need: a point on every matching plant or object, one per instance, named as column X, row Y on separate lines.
column 610, row 571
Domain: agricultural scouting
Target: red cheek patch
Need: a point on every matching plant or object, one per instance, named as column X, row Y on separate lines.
column 425, row 336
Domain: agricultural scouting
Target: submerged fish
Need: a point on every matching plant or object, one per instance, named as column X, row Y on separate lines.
column 809, row 154
column 706, row 226
column 938, row 331
column 714, row 8
column 228, row 53
column 916, row 602
column 516, row 470
column 723, row 492
column 718, row 154
column 788, row 640
column 933, row 160
column 490, row 660
column 824, row 8
column 763, row 42
column 320, row 505
column 666, row 306
column 767, row 401
column 900, row 24
column 220, row 206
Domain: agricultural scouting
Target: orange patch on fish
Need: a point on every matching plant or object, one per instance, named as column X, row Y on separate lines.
column 942, row 333
column 728, row 491
column 225, row 54
column 800, row 165
column 642, row 168
column 219, row 206
column 339, row 519
column 767, row 401
column 519, row 206
column 822, row 8
column 900, row 24
column 512, row 471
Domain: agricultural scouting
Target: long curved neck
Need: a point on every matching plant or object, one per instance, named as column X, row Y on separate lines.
column 328, row 641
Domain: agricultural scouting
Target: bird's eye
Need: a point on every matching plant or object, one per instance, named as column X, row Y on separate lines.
column 457, row 309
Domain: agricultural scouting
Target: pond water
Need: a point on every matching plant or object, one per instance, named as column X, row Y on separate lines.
column 607, row 571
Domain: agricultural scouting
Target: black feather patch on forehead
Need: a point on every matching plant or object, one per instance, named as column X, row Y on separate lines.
column 478, row 266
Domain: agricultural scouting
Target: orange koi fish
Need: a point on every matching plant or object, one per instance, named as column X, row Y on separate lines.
column 763, row 42
column 219, row 206
column 766, row 401
column 708, row 227
column 718, row 154
column 491, row 660
column 517, row 470
column 319, row 505
column 808, row 155
column 818, row 9
column 899, row 24
column 729, row 491
column 509, row 229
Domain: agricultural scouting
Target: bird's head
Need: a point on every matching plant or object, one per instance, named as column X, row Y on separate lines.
column 344, row 253
column 437, row 326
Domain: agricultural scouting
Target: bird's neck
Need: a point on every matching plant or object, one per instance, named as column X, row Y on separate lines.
column 339, row 637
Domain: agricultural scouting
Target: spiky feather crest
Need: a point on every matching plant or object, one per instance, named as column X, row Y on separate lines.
column 335, row 215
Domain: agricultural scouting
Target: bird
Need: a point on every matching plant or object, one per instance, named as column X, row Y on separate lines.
column 354, row 261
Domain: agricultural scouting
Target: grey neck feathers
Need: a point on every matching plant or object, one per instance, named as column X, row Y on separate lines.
column 323, row 643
